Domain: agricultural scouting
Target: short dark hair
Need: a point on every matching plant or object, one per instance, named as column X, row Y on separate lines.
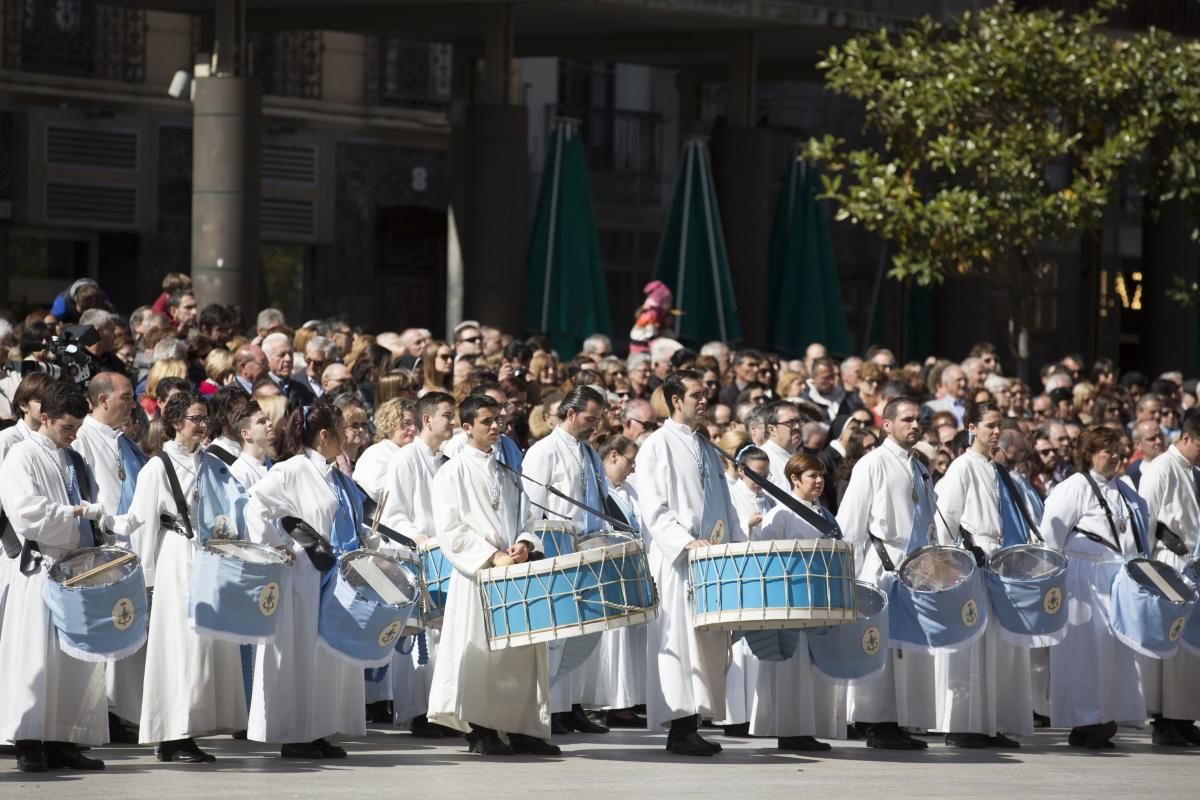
column 168, row 385
column 1092, row 441
column 32, row 387
column 176, row 409
column 428, row 404
column 472, row 405
column 771, row 411
column 226, row 408
column 61, row 399
column 176, row 297
column 893, row 406
column 673, row 386
column 975, row 411
column 613, row 443
column 1191, row 423
column 577, row 400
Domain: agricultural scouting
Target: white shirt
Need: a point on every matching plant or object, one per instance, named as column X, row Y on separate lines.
column 100, row 447
column 33, row 492
column 1170, row 493
column 562, row 461
column 409, row 484
column 778, row 458
column 1072, row 504
column 370, row 471
column 969, row 495
column 747, row 502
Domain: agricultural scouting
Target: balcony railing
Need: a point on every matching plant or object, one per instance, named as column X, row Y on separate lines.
column 288, row 63
column 78, row 38
column 623, row 152
column 406, row 74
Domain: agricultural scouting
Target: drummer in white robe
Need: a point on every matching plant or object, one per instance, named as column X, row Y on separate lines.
column 620, row 683
column 752, row 504
column 408, row 509
column 304, row 693
column 793, row 701
column 889, row 497
column 983, row 688
column 51, row 702
column 1169, row 488
column 115, row 462
column 193, row 683
column 685, row 504
column 479, row 513
column 1093, row 676
column 566, row 461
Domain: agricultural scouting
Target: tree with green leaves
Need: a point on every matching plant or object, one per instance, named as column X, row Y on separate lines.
column 1001, row 131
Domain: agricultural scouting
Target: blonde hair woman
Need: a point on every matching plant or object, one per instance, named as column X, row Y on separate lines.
column 218, row 367
column 166, row 368
column 731, row 442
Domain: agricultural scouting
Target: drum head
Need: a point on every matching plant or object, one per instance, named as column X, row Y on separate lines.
column 936, row 569
column 379, row 578
column 601, row 540
column 84, row 560
column 1027, row 563
column 868, row 601
column 1160, row 579
column 246, row 551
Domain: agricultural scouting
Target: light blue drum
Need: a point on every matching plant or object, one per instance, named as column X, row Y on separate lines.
column 236, row 590
column 937, row 600
column 772, row 644
column 410, row 560
column 558, row 538
column 594, row 590
column 793, row 583
column 1150, row 606
column 858, row 649
column 364, row 608
column 1191, row 631
column 435, row 575
column 1027, row 584
column 97, row 602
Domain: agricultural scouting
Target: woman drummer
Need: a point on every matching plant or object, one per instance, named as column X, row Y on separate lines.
column 193, row 683
column 792, row 700
column 983, row 688
column 303, row 693
column 1093, row 676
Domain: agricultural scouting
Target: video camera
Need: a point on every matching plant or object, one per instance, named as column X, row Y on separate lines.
column 66, row 356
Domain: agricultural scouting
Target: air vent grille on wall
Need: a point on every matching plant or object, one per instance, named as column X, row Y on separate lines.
column 290, row 163
column 288, row 220
column 88, row 148
column 91, row 204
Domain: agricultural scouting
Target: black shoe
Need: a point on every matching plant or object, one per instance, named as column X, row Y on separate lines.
column 739, row 731
column 624, row 719
column 804, row 744
column 1167, row 735
column 913, row 742
column 558, row 724
column 31, row 756
column 329, row 750
column 532, row 746
column 422, row 728
column 690, row 744
column 1040, row 720
column 379, row 712
column 577, row 720
column 889, row 737
column 183, row 751
column 240, row 735
column 1188, row 730
column 1002, row 742
column 61, row 755
column 121, row 731
column 1093, row 737
column 972, row 740
column 305, row 750
column 489, row 744
column 714, row 746
column 447, row 731
column 853, row 734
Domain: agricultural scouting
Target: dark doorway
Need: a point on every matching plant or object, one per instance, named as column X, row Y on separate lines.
column 411, row 292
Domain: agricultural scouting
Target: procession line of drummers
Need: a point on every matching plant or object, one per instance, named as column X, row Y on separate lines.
column 450, row 570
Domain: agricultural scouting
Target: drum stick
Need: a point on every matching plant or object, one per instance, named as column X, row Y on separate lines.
column 83, row 576
column 378, row 516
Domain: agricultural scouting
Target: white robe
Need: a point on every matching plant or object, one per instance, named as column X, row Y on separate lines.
column 791, row 698
column 408, row 480
column 557, row 460
column 741, row 676
column 506, row 690
column 9, row 437
column 248, row 470
column 193, row 683
column 878, row 500
column 47, row 695
column 1172, row 686
column 983, row 687
column 98, row 444
column 1093, row 676
column 778, row 458
column 301, row 690
column 371, row 469
column 685, row 672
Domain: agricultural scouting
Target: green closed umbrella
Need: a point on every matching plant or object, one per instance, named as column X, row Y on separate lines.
column 565, row 295
column 804, row 291
column 691, row 256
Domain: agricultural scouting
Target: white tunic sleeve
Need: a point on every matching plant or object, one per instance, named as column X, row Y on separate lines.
column 270, row 499
column 669, row 526
column 405, row 486
column 31, row 511
column 951, row 494
column 151, row 499
column 854, row 512
column 1064, row 507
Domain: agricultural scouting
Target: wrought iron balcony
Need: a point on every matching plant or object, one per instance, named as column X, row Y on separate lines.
column 288, row 63
column 407, row 74
column 79, row 38
column 623, row 152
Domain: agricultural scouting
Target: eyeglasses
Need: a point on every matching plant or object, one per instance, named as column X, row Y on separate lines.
column 791, row 423
column 623, row 395
column 198, row 419
column 1046, row 452
column 360, row 426
column 650, row 426
column 472, row 339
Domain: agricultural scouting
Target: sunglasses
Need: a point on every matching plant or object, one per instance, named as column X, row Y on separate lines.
column 472, row 339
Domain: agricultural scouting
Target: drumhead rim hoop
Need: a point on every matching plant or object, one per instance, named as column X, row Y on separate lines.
column 55, row 569
column 1002, row 555
column 260, row 548
column 959, row 555
column 344, row 567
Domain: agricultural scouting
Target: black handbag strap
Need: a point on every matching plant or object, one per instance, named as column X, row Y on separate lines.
column 180, row 503
column 1115, row 544
column 220, row 452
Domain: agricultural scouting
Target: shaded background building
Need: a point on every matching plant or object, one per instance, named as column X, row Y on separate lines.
column 388, row 171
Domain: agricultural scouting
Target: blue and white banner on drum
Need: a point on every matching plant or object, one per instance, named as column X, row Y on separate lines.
column 236, row 591
column 855, row 650
column 1027, row 585
column 103, row 618
column 937, row 601
column 1150, row 607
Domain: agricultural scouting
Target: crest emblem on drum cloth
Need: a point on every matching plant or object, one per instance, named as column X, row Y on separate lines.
column 1052, row 600
column 871, row 641
column 389, row 634
column 1176, row 629
column 718, row 532
column 122, row 614
column 970, row 613
column 268, row 599
column 222, row 528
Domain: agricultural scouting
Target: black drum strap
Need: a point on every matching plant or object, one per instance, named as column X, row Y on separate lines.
column 882, row 552
column 1115, row 544
column 12, row 545
column 180, row 503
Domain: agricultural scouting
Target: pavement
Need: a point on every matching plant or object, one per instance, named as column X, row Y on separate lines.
column 389, row 763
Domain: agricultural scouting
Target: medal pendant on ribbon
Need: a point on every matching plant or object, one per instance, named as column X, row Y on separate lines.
column 1121, row 526
column 914, row 495
column 120, row 470
column 717, row 535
